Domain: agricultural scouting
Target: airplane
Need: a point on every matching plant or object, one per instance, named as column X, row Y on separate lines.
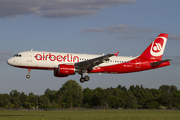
column 65, row 64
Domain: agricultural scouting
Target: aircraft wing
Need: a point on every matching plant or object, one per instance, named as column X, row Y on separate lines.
column 154, row 64
column 89, row 64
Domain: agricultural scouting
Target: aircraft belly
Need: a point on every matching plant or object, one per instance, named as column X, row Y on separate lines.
column 124, row 68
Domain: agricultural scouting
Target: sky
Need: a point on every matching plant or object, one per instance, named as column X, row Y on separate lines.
column 92, row 27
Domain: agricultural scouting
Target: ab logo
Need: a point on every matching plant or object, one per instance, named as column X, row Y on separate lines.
column 157, row 47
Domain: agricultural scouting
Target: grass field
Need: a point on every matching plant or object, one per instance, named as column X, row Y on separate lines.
column 91, row 115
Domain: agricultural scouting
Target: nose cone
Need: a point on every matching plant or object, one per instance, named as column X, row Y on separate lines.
column 10, row 61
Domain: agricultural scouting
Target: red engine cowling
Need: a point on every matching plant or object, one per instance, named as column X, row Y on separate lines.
column 66, row 69
column 56, row 74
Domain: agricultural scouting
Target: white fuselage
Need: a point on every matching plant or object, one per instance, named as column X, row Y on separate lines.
column 51, row 60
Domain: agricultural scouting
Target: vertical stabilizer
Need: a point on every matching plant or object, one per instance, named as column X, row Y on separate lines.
column 156, row 48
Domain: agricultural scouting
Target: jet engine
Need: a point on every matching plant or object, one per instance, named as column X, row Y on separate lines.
column 64, row 70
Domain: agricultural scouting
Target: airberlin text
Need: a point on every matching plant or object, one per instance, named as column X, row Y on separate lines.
column 59, row 58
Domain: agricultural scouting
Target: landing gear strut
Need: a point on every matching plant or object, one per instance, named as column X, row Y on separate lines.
column 84, row 79
column 28, row 75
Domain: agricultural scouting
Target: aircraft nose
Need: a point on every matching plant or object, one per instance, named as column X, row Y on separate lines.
column 10, row 61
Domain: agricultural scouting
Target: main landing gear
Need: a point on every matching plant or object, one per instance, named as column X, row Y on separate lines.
column 84, row 79
column 28, row 75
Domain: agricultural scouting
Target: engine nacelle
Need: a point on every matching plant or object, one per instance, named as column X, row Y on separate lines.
column 56, row 74
column 66, row 69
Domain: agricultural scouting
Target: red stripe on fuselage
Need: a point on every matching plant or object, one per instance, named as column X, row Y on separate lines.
column 128, row 67
column 32, row 67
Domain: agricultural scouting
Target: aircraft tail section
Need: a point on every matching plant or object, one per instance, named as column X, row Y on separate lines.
column 156, row 48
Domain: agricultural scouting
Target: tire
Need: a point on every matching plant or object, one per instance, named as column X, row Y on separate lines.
column 86, row 78
column 82, row 80
column 27, row 76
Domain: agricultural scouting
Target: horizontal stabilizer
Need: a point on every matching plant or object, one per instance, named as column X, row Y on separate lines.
column 154, row 64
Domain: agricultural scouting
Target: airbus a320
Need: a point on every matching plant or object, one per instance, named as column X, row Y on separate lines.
column 65, row 64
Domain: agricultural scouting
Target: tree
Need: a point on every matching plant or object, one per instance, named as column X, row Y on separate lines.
column 24, row 99
column 177, row 96
column 16, row 102
column 113, row 101
column 33, row 99
column 44, row 102
column 151, row 105
column 58, row 97
column 131, row 101
column 5, row 101
column 72, row 94
column 88, row 94
column 97, row 98
column 51, row 94
column 168, row 89
column 169, row 98
column 116, row 94
column 15, row 93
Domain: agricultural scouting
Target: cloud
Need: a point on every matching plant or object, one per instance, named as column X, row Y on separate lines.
column 174, row 37
column 56, row 8
column 130, row 37
column 119, row 29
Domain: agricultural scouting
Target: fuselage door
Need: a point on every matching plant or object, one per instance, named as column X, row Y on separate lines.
column 138, row 63
column 29, row 56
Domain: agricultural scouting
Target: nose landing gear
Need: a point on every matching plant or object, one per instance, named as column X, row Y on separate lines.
column 28, row 75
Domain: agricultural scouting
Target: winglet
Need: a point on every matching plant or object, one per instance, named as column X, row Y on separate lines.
column 116, row 54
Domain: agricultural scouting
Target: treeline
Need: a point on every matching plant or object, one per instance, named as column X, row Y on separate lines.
column 71, row 95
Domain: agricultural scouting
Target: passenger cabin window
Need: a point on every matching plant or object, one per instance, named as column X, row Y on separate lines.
column 17, row 55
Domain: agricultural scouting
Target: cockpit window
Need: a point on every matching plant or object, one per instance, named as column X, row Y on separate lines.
column 17, row 55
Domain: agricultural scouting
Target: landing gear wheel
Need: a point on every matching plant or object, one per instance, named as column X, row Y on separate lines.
column 29, row 71
column 27, row 76
column 86, row 78
column 82, row 80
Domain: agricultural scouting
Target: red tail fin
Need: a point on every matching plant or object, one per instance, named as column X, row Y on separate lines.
column 156, row 48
